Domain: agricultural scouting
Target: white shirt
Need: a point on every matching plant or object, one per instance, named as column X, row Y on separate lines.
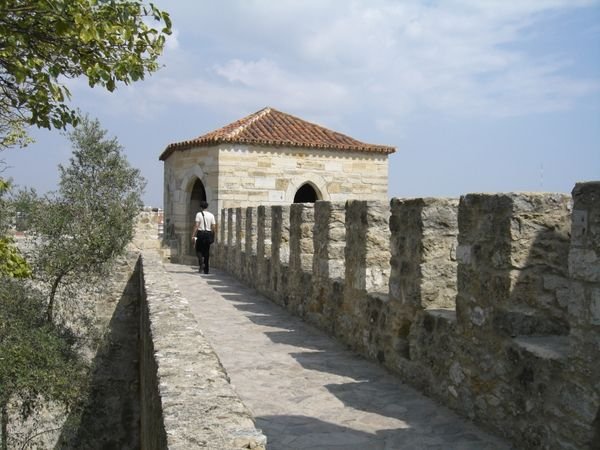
column 209, row 219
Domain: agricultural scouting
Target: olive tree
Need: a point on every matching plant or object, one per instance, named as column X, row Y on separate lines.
column 80, row 230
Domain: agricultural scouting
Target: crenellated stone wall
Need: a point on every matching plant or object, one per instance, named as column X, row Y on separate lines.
column 486, row 303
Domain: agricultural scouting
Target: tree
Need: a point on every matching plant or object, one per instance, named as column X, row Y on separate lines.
column 45, row 42
column 82, row 229
column 38, row 360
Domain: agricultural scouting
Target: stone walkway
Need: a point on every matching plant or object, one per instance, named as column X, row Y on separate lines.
column 306, row 390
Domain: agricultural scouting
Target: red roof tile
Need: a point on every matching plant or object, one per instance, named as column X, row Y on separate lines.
column 270, row 127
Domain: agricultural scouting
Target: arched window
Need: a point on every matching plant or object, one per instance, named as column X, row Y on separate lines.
column 306, row 194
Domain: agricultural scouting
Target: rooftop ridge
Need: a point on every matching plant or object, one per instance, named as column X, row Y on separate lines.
column 257, row 116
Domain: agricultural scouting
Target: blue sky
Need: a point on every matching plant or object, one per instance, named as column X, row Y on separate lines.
column 476, row 95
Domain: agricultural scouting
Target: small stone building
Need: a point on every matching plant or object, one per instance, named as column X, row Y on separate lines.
column 266, row 158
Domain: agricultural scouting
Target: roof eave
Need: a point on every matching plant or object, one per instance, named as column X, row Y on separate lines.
column 186, row 145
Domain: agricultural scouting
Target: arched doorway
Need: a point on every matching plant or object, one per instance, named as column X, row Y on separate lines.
column 198, row 195
column 306, row 194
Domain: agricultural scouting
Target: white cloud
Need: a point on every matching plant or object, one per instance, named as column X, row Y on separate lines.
column 252, row 85
column 454, row 57
column 252, row 73
column 464, row 57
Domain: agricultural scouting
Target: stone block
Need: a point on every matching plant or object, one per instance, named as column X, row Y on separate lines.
column 586, row 215
column 579, row 226
column 276, row 196
column 265, row 182
column 584, row 264
column 595, row 306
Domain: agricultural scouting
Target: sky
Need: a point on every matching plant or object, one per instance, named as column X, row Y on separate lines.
column 476, row 95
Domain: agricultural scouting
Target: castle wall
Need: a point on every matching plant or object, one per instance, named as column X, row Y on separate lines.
column 486, row 304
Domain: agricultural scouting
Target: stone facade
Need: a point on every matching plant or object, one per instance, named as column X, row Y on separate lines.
column 486, row 303
column 251, row 175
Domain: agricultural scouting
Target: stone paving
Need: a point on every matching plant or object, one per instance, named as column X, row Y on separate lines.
column 307, row 391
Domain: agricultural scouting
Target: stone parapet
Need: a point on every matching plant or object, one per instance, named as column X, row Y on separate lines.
column 329, row 242
column 263, row 248
column 367, row 251
column 149, row 229
column 584, row 263
column 187, row 401
column 240, row 242
column 512, row 270
column 424, row 235
column 581, row 400
column 249, row 264
column 301, row 257
column 280, row 253
column 486, row 304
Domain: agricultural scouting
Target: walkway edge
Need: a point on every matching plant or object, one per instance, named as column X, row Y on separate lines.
column 187, row 400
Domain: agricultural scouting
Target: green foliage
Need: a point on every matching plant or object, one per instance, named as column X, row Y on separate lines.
column 76, row 235
column 4, row 208
column 12, row 263
column 38, row 359
column 81, row 230
column 13, row 133
column 106, row 41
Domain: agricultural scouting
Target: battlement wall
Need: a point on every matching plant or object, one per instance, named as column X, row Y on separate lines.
column 489, row 303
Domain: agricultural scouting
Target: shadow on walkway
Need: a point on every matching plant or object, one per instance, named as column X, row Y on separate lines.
column 306, row 433
column 308, row 391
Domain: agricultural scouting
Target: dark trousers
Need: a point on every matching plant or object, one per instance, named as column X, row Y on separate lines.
column 203, row 253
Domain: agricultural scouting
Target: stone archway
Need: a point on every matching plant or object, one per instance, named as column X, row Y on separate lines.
column 306, row 194
column 197, row 195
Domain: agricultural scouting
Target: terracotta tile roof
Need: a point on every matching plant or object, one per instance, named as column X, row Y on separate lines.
column 270, row 127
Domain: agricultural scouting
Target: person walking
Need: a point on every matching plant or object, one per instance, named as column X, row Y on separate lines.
column 204, row 235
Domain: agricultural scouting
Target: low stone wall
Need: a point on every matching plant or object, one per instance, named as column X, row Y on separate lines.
column 149, row 229
column 186, row 399
column 485, row 303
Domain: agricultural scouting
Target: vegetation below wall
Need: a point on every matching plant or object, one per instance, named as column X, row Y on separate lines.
column 96, row 386
column 53, row 291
